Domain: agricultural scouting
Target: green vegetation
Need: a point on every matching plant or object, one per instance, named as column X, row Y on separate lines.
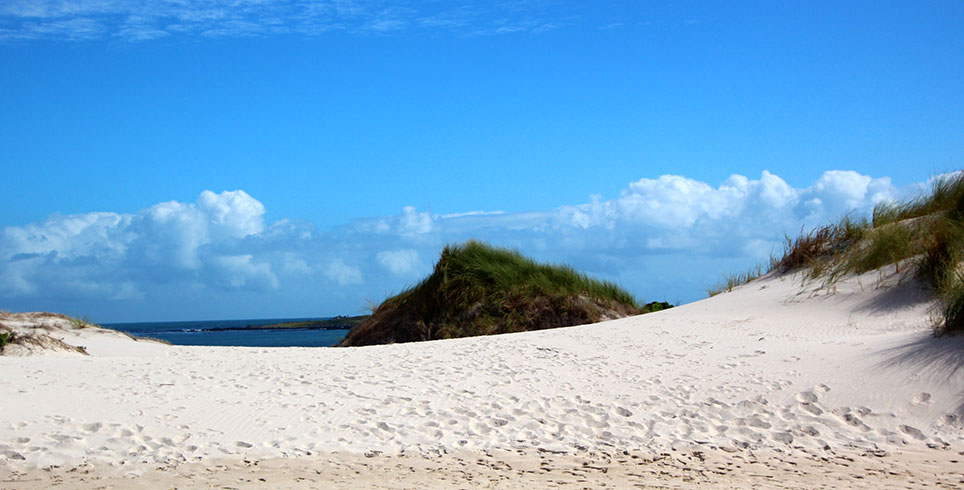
column 731, row 281
column 476, row 289
column 923, row 235
column 655, row 306
column 336, row 323
column 5, row 339
column 80, row 322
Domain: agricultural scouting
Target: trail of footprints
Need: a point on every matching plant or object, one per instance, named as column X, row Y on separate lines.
column 288, row 407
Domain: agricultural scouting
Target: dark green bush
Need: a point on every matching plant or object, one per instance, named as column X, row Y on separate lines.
column 5, row 339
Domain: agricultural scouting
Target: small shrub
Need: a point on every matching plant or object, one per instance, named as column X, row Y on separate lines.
column 656, row 306
column 80, row 322
column 5, row 339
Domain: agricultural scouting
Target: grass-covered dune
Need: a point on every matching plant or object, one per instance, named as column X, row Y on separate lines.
column 476, row 289
column 923, row 237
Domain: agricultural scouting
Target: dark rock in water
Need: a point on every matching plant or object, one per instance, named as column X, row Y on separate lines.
column 476, row 289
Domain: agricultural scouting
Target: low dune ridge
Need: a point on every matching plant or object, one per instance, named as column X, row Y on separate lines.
column 45, row 333
column 784, row 365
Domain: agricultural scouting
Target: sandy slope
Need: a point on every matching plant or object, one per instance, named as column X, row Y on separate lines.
column 774, row 368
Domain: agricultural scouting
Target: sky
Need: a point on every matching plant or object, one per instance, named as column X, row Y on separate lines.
column 219, row 159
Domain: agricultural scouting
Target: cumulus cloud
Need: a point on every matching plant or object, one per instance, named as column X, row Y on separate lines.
column 659, row 237
column 671, row 204
column 399, row 262
column 157, row 244
column 411, row 223
column 414, row 223
column 232, row 214
column 837, row 192
column 172, row 233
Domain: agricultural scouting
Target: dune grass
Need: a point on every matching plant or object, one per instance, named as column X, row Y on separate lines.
column 731, row 281
column 925, row 234
column 477, row 289
column 80, row 322
column 484, row 269
column 474, row 274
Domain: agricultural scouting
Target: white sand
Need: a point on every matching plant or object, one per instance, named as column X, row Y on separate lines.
column 771, row 368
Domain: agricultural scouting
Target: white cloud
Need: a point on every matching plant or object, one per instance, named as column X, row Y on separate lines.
column 837, row 192
column 774, row 192
column 342, row 273
column 152, row 245
column 415, row 223
column 656, row 237
column 672, row 206
column 150, row 19
column 399, row 262
column 170, row 233
column 239, row 271
column 232, row 213
column 471, row 213
column 670, row 201
column 69, row 236
column 411, row 223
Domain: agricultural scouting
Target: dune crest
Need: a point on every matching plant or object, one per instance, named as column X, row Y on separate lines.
column 44, row 333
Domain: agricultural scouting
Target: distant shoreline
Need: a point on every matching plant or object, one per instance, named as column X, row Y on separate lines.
column 268, row 332
column 336, row 323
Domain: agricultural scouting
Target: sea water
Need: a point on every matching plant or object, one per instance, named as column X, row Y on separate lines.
column 234, row 333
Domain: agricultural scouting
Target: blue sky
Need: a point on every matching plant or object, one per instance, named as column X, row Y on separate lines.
column 171, row 160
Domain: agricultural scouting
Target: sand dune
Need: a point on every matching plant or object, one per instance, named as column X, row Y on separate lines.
column 790, row 376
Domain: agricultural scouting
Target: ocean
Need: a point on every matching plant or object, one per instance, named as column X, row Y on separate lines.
column 234, row 333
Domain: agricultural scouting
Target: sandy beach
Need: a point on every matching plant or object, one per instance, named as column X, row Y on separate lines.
column 780, row 383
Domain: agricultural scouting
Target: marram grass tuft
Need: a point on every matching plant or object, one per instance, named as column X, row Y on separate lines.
column 927, row 233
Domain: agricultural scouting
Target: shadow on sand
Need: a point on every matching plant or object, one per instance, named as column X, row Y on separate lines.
column 940, row 357
column 935, row 358
column 907, row 293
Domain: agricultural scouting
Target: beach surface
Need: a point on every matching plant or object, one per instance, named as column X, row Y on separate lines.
column 780, row 383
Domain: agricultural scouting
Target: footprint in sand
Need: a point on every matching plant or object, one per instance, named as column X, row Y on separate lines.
column 784, row 437
column 808, row 430
column 922, row 398
column 806, row 397
column 913, row 432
